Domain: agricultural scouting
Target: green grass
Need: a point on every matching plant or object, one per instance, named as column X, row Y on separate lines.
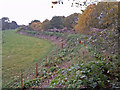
column 19, row 52
column 0, row 59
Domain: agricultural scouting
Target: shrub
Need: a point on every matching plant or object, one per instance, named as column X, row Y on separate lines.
column 52, row 69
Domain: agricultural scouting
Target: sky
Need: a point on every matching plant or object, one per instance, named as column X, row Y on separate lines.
column 24, row 11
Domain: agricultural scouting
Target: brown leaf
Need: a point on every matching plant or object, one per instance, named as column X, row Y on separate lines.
column 55, row 2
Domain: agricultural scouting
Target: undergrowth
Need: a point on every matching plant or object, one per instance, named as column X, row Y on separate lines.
column 87, row 68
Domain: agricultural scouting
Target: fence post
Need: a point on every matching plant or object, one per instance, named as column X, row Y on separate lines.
column 46, row 59
column 52, row 55
column 56, row 51
column 83, row 54
column 36, row 70
column 21, row 81
column 61, row 45
column 95, row 47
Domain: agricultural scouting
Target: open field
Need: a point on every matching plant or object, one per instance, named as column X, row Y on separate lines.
column 19, row 52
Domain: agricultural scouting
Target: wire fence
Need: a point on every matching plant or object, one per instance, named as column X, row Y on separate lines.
column 72, row 43
column 32, row 71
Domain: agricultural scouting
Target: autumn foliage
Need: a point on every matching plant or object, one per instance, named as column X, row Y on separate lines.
column 36, row 26
column 85, row 19
column 104, row 15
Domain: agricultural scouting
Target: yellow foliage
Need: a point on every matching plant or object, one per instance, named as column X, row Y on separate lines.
column 104, row 15
column 85, row 19
column 36, row 26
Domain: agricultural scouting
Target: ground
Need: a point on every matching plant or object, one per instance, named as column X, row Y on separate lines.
column 19, row 52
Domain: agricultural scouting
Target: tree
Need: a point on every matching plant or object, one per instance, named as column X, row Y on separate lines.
column 46, row 24
column 6, row 24
column 33, row 22
column 13, row 25
column 35, row 25
column 57, row 22
column 104, row 15
column 85, row 19
column 110, row 17
column 71, row 20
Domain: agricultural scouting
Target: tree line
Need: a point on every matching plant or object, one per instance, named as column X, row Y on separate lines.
column 103, row 15
column 6, row 24
column 58, row 22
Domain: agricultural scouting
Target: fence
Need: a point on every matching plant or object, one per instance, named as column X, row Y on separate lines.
column 33, row 70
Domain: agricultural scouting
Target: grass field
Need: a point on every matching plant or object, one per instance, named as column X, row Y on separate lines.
column 0, row 59
column 19, row 52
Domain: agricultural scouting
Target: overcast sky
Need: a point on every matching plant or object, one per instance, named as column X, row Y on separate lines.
column 24, row 11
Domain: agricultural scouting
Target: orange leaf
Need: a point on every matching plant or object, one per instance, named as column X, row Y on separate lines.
column 55, row 2
column 80, row 42
column 65, row 80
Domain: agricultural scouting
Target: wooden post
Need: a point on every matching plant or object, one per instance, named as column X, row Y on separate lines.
column 46, row 59
column 95, row 47
column 36, row 70
column 61, row 45
column 49, row 58
column 52, row 55
column 83, row 54
column 56, row 51
column 21, row 81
